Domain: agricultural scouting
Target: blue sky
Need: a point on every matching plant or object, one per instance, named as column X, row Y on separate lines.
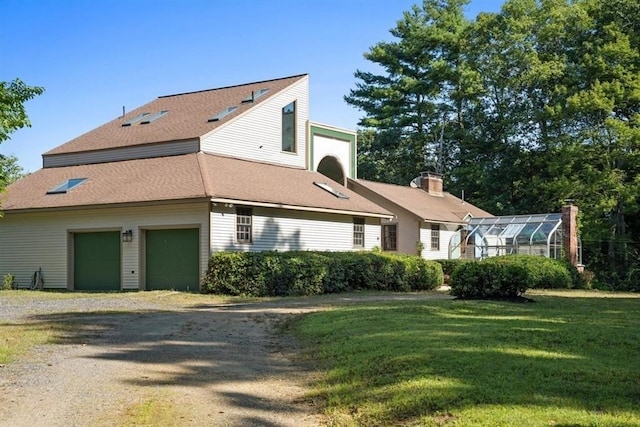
column 95, row 56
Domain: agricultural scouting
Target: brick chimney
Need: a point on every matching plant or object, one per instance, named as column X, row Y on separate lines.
column 570, row 233
column 431, row 183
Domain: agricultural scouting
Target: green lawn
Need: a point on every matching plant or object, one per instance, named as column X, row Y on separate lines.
column 568, row 359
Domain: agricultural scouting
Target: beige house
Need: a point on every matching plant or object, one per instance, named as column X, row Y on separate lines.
column 142, row 201
column 426, row 219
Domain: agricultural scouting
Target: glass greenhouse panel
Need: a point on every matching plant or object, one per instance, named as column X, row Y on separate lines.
column 524, row 237
column 516, row 234
column 542, row 235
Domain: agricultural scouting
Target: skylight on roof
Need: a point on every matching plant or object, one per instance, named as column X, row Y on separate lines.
column 67, row 185
column 153, row 117
column 222, row 114
column 255, row 94
column 326, row 187
column 136, row 119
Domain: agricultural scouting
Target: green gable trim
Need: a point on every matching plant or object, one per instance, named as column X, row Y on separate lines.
column 335, row 134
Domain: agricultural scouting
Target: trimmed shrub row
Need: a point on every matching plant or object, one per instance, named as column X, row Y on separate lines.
column 273, row 273
column 510, row 276
column 448, row 265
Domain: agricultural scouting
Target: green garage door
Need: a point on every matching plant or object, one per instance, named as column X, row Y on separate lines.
column 96, row 261
column 173, row 259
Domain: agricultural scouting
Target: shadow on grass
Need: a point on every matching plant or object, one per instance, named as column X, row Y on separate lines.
column 411, row 360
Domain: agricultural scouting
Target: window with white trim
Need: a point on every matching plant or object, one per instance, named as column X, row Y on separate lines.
column 289, row 127
column 244, row 223
column 435, row 237
column 358, row 232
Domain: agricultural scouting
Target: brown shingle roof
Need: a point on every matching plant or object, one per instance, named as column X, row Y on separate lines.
column 446, row 208
column 260, row 182
column 189, row 176
column 187, row 117
column 158, row 179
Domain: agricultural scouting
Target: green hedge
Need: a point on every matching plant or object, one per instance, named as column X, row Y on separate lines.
column 488, row 280
column 542, row 272
column 448, row 265
column 273, row 273
column 510, row 276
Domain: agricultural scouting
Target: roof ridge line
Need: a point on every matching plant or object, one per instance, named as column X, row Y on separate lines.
column 232, row 86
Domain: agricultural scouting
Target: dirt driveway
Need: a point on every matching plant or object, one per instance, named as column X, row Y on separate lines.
column 143, row 361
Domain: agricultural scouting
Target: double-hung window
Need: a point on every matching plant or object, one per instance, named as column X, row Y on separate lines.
column 435, row 237
column 244, row 223
column 358, row 232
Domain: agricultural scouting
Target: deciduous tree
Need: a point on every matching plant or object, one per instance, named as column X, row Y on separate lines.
column 13, row 115
column 535, row 104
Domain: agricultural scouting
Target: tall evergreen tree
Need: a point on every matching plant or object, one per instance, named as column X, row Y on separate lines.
column 423, row 86
column 537, row 103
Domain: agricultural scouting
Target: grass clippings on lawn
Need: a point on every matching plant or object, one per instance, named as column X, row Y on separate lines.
column 565, row 360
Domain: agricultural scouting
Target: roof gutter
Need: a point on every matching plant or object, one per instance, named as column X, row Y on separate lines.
column 441, row 221
column 300, row 208
column 104, row 206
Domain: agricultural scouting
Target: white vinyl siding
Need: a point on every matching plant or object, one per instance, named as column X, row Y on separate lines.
column 145, row 151
column 446, row 231
column 284, row 230
column 257, row 135
column 34, row 240
column 338, row 148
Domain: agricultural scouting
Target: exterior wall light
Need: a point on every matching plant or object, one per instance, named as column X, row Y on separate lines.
column 127, row 236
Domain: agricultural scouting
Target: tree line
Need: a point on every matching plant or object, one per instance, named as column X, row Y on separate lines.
column 520, row 109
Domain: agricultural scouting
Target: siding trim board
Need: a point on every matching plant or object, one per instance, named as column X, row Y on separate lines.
column 299, row 208
column 334, row 133
column 134, row 152
column 170, row 202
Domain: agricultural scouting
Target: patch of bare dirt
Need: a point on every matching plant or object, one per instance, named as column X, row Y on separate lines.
column 203, row 365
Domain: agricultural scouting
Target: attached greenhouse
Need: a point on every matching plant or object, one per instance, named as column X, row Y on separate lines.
column 540, row 234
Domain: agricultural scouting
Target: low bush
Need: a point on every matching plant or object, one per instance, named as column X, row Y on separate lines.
column 448, row 265
column 8, row 282
column 310, row 273
column 475, row 280
column 235, row 273
column 511, row 275
column 543, row 273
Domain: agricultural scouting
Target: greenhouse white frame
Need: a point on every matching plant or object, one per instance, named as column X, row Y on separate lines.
column 537, row 234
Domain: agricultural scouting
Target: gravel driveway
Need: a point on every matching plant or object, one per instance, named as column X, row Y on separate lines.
column 206, row 365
